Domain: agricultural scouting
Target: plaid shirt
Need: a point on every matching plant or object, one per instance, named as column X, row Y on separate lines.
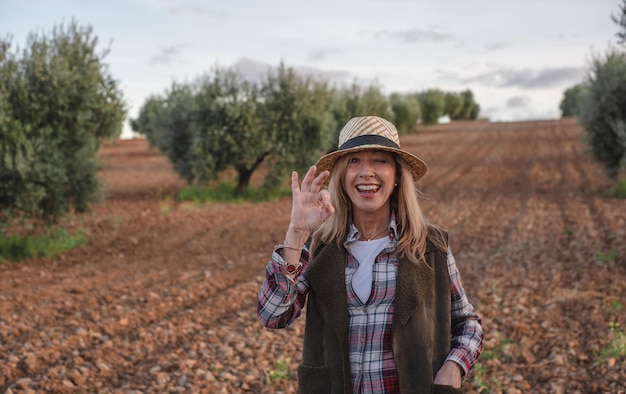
column 372, row 365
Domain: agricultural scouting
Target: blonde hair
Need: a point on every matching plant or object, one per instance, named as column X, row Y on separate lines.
column 413, row 230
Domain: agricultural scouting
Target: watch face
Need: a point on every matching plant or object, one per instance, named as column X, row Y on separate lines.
column 293, row 268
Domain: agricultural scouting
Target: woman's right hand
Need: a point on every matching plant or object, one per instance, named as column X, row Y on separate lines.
column 311, row 204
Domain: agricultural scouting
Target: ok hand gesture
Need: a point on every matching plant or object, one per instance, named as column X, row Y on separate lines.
column 311, row 204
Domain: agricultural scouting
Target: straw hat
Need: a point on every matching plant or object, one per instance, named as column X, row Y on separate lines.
column 370, row 132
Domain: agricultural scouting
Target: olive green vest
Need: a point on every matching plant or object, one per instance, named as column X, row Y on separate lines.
column 420, row 329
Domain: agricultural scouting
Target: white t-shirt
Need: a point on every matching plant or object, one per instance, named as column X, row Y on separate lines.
column 365, row 253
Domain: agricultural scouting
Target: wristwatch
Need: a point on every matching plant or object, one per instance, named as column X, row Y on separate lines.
column 294, row 269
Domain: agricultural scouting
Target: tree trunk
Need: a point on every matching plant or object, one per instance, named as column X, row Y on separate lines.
column 245, row 174
column 243, row 181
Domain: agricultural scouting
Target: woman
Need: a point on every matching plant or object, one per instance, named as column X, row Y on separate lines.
column 386, row 311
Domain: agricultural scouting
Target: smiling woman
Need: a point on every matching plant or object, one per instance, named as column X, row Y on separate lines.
column 370, row 178
column 381, row 286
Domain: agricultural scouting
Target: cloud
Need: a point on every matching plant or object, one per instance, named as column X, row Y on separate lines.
column 337, row 76
column 414, row 35
column 194, row 9
column 322, row 53
column 167, row 55
column 251, row 70
column 446, row 75
column 530, row 79
column 518, row 102
column 489, row 112
column 255, row 71
column 495, row 46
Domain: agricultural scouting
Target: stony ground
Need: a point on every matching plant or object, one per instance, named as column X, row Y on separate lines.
column 163, row 297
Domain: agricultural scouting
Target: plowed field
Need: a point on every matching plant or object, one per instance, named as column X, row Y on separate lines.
column 163, row 297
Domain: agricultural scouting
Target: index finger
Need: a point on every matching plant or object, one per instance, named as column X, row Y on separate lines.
column 308, row 178
column 295, row 185
column 319, row 181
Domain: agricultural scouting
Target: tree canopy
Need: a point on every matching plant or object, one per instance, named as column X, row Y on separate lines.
column 620, row 20
column 58, row 101
column 603, row 111
column 572, row 100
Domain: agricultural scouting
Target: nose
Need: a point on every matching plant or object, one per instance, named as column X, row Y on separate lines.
column 367, row 169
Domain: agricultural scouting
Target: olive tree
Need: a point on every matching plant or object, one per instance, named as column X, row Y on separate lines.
column 167, row 122
column 222, row 121
column 603, row 113
column 296, row 112
column 572, row 99
column 227, row 129
column 432, row 103
column 357, row 100
column 406, row 111
column 454, row 105
column 620, row 19
column 58, row 102
column 470, row 108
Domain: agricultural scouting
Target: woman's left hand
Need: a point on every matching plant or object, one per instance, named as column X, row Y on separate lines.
column 449, row 375
column 311, row 203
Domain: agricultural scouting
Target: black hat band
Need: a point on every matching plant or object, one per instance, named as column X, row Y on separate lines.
column 368, row 140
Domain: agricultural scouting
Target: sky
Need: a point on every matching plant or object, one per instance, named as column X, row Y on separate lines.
column 516, row 56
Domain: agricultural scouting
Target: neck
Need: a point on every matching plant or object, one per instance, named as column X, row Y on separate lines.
column 372, row 227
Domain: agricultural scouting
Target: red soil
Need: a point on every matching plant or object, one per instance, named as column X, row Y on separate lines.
column 163, row 297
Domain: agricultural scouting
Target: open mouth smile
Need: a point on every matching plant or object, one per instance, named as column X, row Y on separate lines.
column 368, row 188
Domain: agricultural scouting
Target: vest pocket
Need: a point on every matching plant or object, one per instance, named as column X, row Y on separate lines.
column 441, row 389
column 313, row 380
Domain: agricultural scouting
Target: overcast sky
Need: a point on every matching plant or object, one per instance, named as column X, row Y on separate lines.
column 517, row 56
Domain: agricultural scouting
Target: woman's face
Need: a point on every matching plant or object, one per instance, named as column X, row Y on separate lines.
column 369, row 181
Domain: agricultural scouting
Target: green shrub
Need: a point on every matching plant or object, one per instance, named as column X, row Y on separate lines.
column 280, row 372
column 607, row 257
column 617, row 343
column 16, row 248
column 618, row 191
column 603, row 113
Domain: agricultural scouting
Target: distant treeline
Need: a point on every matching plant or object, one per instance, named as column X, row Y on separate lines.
column 221, row 120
